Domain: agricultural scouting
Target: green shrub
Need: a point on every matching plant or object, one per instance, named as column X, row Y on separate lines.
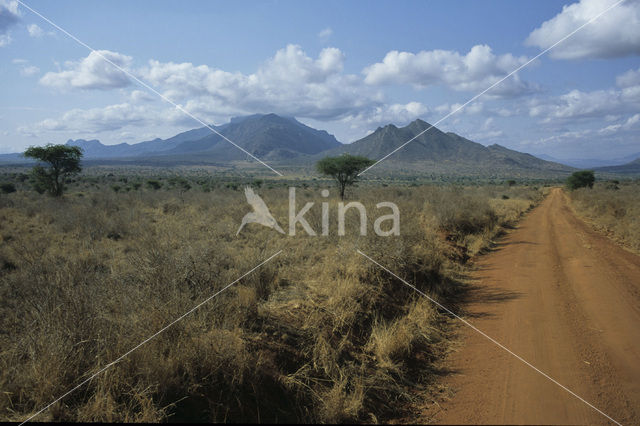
column 581, row 179
column 154, row 184
column 7, row 187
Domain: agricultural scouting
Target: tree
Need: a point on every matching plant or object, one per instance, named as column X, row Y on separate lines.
column 344, row 169
column 61, row 161
column 7, row 187
column 581, row 179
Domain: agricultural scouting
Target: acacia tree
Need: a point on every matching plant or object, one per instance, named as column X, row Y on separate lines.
column 344, row 169
column 60, row 162
column 581, row 179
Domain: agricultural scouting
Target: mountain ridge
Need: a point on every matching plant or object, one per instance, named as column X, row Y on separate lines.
column 284, row 141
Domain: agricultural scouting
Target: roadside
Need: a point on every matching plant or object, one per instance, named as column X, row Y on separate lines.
column 566, row 299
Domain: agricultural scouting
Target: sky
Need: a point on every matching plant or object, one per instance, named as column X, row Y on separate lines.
column 345, row 67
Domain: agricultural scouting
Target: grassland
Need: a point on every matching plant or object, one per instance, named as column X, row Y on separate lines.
column 319, row 334
column 612, row 207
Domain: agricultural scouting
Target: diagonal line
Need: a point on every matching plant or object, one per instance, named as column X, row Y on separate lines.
column 142, row 83
column 491, row 339
column 493, row 85
column 151, row 337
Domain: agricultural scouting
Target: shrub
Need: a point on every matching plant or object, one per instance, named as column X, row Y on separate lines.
column 581, row 179
column 7, row 187
column 154, row 184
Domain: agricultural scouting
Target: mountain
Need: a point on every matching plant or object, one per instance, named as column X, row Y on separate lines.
column 267, row 136
column 590, row 163
column 437, row 152
column 284, row 141
column 632, row 167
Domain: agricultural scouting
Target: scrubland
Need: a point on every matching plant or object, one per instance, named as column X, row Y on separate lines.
column 612, row 207
column 318, row 334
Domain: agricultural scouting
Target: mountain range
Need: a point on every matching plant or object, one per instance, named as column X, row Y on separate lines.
column 285, row 141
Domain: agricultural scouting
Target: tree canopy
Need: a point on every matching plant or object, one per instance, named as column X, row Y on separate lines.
column 581, row 179
column 344, row 169
column 60, row 162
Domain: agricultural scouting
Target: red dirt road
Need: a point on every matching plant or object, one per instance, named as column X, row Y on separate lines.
column 564, row 298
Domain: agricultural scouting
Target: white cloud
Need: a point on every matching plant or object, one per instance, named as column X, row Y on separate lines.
column 35, row 31
column 9, row 16
column 614, row 34
column 475, row 71
column 25, row 69
column 384, row 114
column 92, row 72
column 325, row 34
column 610, row 104
column 139, row 96
column 95, row 120
column 584, row 105
column 29, row 70
column 629, row 79
column 471, row 109
column 627, row 124
column 289, row 83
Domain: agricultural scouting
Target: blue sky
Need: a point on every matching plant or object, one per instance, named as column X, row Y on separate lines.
column 346, row 67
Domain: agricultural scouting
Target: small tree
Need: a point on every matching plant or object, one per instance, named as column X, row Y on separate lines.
column 61, row 161
column 7, row 187
column 344, row 169
column 581, row 179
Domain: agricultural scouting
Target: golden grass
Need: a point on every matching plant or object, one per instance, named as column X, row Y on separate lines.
column 611, row 208
column 318, row 334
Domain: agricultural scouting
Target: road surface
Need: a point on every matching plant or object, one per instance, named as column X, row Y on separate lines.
column 564, row 298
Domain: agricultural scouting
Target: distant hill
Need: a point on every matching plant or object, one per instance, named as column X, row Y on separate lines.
column 590, row 163
column 284, row 141
column 267, row 136
column 437, row 152
column 632, row 167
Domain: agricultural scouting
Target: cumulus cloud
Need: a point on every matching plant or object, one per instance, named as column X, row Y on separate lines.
column 35, row 31
column 384, row 114
column 325, row 34
column 29, row 70
column 614, row 34
column 9, row 16
column 26, row 69
column 96, row 120
column 474, row 71
column 627, row 124
column 629, row 79
column 92, row 72
column 471, row 109
column 290, row 83
column 579, row 105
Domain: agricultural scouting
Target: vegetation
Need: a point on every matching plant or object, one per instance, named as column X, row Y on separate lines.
column 344, row 169
column 62, row 162
column 7, row 187
column 318, row 334
column 581, row 179
column 613, row 207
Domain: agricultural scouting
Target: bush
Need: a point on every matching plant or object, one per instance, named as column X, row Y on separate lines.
column 581, row 179
column 154, row 184
column 7, row 187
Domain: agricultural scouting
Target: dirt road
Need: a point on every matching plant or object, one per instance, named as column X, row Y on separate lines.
column 567, row 300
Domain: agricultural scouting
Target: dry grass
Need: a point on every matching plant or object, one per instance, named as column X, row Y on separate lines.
column 317, row 335
column 612, row 208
